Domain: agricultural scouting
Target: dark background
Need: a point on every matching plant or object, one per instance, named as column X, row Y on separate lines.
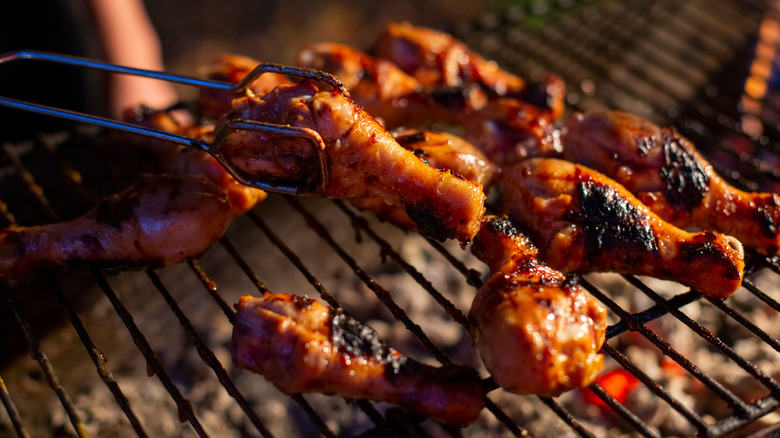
column 192, row 33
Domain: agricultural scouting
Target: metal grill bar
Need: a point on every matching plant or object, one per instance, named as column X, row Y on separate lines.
column 156, row 366
column 564, row 415
column 230, row 313
column 365, row 406
column 276, row 240
column 702, row 119
column 696, row 420
column 709, row 337
column 747, row 284
column 98, row 358
column 617, row 407
column 380, row 292
column 208, row 356
column 46, row 366
column 640, row 327
column 362, row 225
column 13, row 414
column 211, row 288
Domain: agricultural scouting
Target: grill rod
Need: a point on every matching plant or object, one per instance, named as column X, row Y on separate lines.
column 212, row 148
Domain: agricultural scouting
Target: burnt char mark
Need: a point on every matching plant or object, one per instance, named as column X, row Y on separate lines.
column 357, row 340
column 766, row 218
column 609, row 221
column 16, row 240
column 502, row 225
column 454, row 98
column 707, row 250
column 300, row 302
column 428, row 223
column 409, row 140
column 91, row 244
column 686, row 182
column 536, row 94
column 115, row 210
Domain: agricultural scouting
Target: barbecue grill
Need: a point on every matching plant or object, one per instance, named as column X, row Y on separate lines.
column 147, row 352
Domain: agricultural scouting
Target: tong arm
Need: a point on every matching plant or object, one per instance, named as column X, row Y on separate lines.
column 213, row 149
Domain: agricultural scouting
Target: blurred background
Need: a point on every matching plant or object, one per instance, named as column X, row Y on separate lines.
column 191, row 33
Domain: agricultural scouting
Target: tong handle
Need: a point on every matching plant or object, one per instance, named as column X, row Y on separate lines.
column 213, row 149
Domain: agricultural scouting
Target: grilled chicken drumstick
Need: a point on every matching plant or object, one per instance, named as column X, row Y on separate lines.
column 160, row 220
column 437, row 59
column 666, row 173
column 387, row 92
column 584, row 221
column 213, row 103
column 362, row 159
column 506, row 129
column 536, row 331
column 302, row 346
column 442, row 151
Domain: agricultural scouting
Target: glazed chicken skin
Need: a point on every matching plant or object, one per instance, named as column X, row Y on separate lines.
column 536, row 331
column 583, row 222
column 437, row 59
column 386, row 92
column 666, row 173
column 361, row 159
column 213, row 103
column 301, row 345
column 507, row 130
column 180, row 160
column 160, row 220
column 442, row 151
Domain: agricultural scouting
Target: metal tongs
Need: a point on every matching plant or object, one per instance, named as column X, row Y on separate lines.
column 213, row 148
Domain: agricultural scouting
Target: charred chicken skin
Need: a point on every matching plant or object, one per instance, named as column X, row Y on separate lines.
column 302, row 346
column 361, row 158
column 506, row 129
column 584, row 221
column 536, row 331
column 437, row 59
column 666, row 173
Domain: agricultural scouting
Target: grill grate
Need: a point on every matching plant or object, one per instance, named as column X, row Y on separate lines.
column 682, row 65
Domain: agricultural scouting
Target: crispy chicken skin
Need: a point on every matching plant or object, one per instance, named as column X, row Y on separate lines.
column 213, row 103
column 536, row 331
column 509, row 131
column 362, row 159
column 437, row 59
column 450, row 153
column 583, row 221
column 664, row 170
column 442, row 151
column 301, row 345
column 506, row 129
column 161, row 219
